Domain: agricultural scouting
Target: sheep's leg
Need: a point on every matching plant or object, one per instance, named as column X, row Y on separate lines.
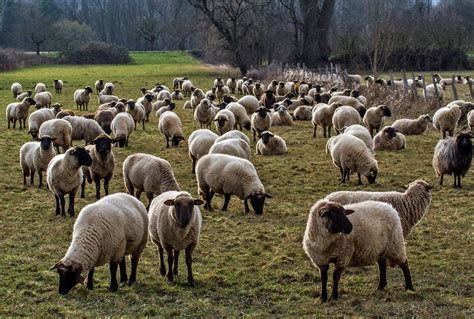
column 406, row 273
column 193, row 169
column 323, row 272
column 150, row 199
column 226, row 202
column 360, row 181
column 246, row 205
column 32, row 177
column 189, row 263
column 252, row 130
column 58, row 211
column 71, row 203
column 113, row 276
column 83, row 186
column 133, row 274
column 40, row 176
column 106, row 184
column 169, row 252
column 383, row 273
column 441, row 180
column 25, row 174
column 129, row 185
column 342, row 175
column 167, row 142
column 90, row 279
column 123, row 270
column 336, row 276
column 207, row 198
column 162, row 261
column 97, row 187
column 329, row 131
column 62, row 205
column 14, row 123
column 138, row 193
column 126, row 142
column 143, row 124
column 175, row 267
column 314, row 130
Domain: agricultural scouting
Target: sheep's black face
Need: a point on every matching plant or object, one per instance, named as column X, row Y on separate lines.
column 247, row 125
column 386, row 111
column 69, row 276
column 355, row 93
column 148, row 97
column 361, row 111
column 227, row 99
column 34, row 134
column 372, row 176
column 464, row 143
column 335, row 218
column 262, row 111
column 176, row 140
column 390, row 132
column 258, row 201
column 257, row 85
column 121, row 141
column 45, row 142
column 266, row 136
column 318, row 98
column 88, row 89
column 171, row 106
column 221, row 121
column 103, row 145
column 269, row 94
column 183, row 209
column 83, row 156
column 211, row 97
column 281, row 84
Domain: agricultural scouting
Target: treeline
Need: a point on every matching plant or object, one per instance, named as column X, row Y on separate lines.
column 360, row 34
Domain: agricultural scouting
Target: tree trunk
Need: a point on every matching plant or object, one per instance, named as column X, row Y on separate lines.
column 38, row 48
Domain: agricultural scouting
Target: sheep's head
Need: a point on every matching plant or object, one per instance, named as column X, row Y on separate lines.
column 103, row 144
column 389, row 132
column 333, row 89
column 380, row 81
column 69, row 275
column 257, row 85
column 167, row 101
column 176, row 139
column 131, row 104
column 34, row 133
column 269, row 94
column 463, row 142
column 262, row 111
column 221, row 120
column 281, row 84
column 183, row 211
column 148, row 97
column 101, row 82
column 46, row 141
column 29, row 101
column 176, row 92
column 232, row 79
column 82, row 155
column 120, row 140
column 227, row 99
column 355, row 93
column 56, row 81
column 372, row 175
column 318, row 98
column 222, row 106
column 266, row 137
column 171, row 106
column 347, row 92
column 426, row 117
column 211, row 96
column 281, row 109
column 274, row 82
column 333, row 217
column 88, row 90
column 419, row 184
column 361, row 109
column 257, row 200
column 318, row 88
column 385, row 110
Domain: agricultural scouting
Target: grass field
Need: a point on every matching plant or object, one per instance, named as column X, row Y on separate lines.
column 244, row 265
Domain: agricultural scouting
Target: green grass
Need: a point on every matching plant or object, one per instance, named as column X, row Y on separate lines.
column 244, row 265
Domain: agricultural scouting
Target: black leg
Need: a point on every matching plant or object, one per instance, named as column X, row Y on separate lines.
column 40, row 175
column 167, row 142
column 226, row 202
column 383, row 273
column 207, row 198
column 406, row 273
column 32, row 177
column 324, row 130
column 150, row 199
column 113, row 276
column 314, row 130
column 83, row 186
column 138, row 194
column 72, row 195
column 329, row 131
column 58, row 210
column 24, row 178
column 176, row 259
column 360, row 181
column 459, row 181
column 189, row 263
column 246, row 205
column 323, row 271
column 169, row 252
column 162, row 261
column 97, row 187
column 133, row 274
column 336, row 276
column 441, row 180
column 342, row 174
column 106, row 184
column 252, row 130
column 90, row 279
column 123, row 270
column 193, row 170
column 62, row 205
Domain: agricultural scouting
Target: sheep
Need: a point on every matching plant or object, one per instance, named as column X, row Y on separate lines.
column 271, row 144
column 169, row 125
column 178, row 82
column 412, row 126
column 232, row 84
column 177, row 95
column 470, row 120
column 349, row 153
column 354, row 235
column 104, row 98
column 241, row 117
column 137, row 111
column 260, row 121
column 43, row 99
column 122, row 126
column 197, row 96
column 57, row 108
column 19, row 112
column 175, row 224
column 82, row 97
column 211, row 94
column 163, row 109
column 64, row 176
column 186, row 87
column 224, row 121
column 345, row 116
column 247, row 87
column 236, row 176
column 410, row 205
column 233, row 134
column 373, row 118
column 40, row 87
column 362, row 133
column 465, row 107
column 16, row 89
column 354, row 79
column 58, row 85
column 63, row 113
column 250, row 103
column 103, row 163
column 35, row 157
column 199, row 143
column 21, row 96
column 146, row 101
column 162, row 103
column 99, row 86
column 36, row 119
column 240, row 83
column 280, row 117
column 350, row 101
column 105, row 118
column 234, row 146
column 431, row 93
column 221, row 90
column 272, row 86
column 446, row 118
column 163, row 94
column 204, row 113
column 453, row 156
column 149, row 174
column 258, row 90
column 322, row 115
column 60, row 131
column 303, row 113
column 84, row 129
column 108, row 89
column 105, row 231
column 369, row 80
column 267, row 99
column 389, row 139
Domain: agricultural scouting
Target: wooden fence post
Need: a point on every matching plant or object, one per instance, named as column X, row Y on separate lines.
column 392, row 83
column 455, row 91
column 424, row 85
column 405, row 82
column 436, row 89
column 469, row 82
column 413, row 87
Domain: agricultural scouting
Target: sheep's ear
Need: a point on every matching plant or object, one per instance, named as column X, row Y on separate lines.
column 349, row 211
column 405, row 187
column 268, row 196
column 55, row 266
column 198, row 202
column 181, row 138
column 169, row 202
column 429, row 187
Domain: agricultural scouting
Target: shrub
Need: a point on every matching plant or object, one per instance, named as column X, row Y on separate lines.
column 97, row 53
column 12, row 59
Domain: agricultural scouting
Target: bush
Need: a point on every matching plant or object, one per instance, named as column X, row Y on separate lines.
column 97, row 53
column 12, row 59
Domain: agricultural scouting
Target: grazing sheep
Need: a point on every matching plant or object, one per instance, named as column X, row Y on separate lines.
column 84, row 129
column 373, row 118
column 362, row 133
column 40, row 87
column 236, row 176
column 178, row 82
column 224, row 121
column 105, row 231
column 149, row 174
column 411, row 205
column 205, row 113
column 446, row 118
column 349, row 153
column 241, row 117
column 412, row 126
column 64, row 176
column 260, row 121
column 470, row 119
column 271, row 144
column 232, row 84
column 322, row 115
column 250, row 103
column 104, row 98
column 103, row 164
column 105, row 118
column 122, row 126
column 345, row 116
column 453, row 156
column 163, row 109
column 200, row 141
column 186, row 87
column 60, row 131
column 19, row 112
column 109, row 89
column 137, row 111
column 221, row 90
column 430, row 91
column 234, row 146
column 16, row 89
column 35, row 157
column 281, row 117
column 169, row 125
column 355, row 235
column 58, row 85
column 303, row 113
column 82, row 98
column 175, row 224
column 36, row 119
column 389, row 139
column 21, row 96
column 43, row 99
column 146, row 101
column 233, row 134
column 177, row 95
column 99, row 86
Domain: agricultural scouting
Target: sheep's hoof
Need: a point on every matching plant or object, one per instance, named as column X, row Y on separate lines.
column 191, row 283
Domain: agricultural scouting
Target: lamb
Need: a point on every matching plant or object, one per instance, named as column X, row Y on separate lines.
column 232, row 84
column 36, row 119
column 57, row 108
column 64, row 176
column 186, row 87
column 260, row 121
column 470, row 120
column 169, row 125
column 83, row 128
column 281, row 117
column 16, row 89
column 35, row 157
column 104, row 98
column 373, row 118
column 137, row 111
column 200, row 141
column 105, row 118
column 175, row 224
column 355, row 235
column 21, row 96
column 362, row 133
column 322, row 115
column 99, row 86
column 60, row 131
column 349, row 153
column 163, row 109
column 446, row 118
column 205, row 113
column 146, row 101
column 241, row 117
column 303, row 113
column 389, row 139
column 177, row 95
column 453, row 156
column 58, row 85
column 412, row 126
column 19, row 112
column 149, row 174
column 345, row 116
column 271, row 144
column 224, row 121
column 430, row 91
column 122, row 126
column 43, row 99
column 234, row 146
column 40, row 87
column 236, row 176
column 250, row 103
column 105, row 231
column 82, row 98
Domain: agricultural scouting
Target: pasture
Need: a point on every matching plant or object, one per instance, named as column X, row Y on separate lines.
column 244, row 265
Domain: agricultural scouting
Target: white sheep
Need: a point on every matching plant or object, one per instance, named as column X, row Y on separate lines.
column 105, row 98
column 84, row 129
column 105, row 118
column 349, row 101
column 224, row 121
column 122, row 126
column 43, row 99
column 258, row 89
column 21, row 96
column 446, row 118
column 250, row 103
column 99, row 86
column 232, row 84
column 109, row 88
column 465, row 107
column 389, row 139
column 281, row 117
column 137, row 111
column 199, row 143
column 163, row 109
column 177, row 95
column 163, row 94
column 322, row 115
column 19, row 112
column 345, row 116
column 187, row 87
column 240, row 83
column 175, row 225
column 234, row 146
column 37, row 118
column 271, row 144
column 373, row 118
column 362, row 133
column 82, row 98
column 431, row 93
column 169, row 125
column 241, row 117
column 35, row 157
column 260, row 121
column 412, row 126
column 233, row 134
column 146, row 101
column 40, row 87
column 58, row 85
column 303, row 113
column 355, row 235
column 204, row 113
column 197, row 96
column 16, row 89
column 60, row 131
column 105, row 232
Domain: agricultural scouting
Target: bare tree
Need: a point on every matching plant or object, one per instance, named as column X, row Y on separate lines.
column 3, row 9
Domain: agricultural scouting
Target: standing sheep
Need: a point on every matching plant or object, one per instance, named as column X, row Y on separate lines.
column 224, row 121
column 99, row 86
column 16, row 89
column 146, row 101
column 322, row 115
column 60, row 131
column 19, row 112
column 40, row 87
column 430, row 91
column 105, row 118
column 58, row 86
column 199, row 143
column 446, row 118
column 412, row 126
column 82, row 98
column 260, row 121
column 35, row 157
column 137, row 111
column 345, row 116
column 389, row 139
column 303, row 113
column 43, row 99
column 122, row 126
column 36, row 119
column 21, row 96
column 470, row 120
column 232, row 84
column 169, row 125
column 84, row 129
column 373, row 118
column 271, row 144
column 250, row 103
column 204, row 113
column 362, row 133
column 241, row 117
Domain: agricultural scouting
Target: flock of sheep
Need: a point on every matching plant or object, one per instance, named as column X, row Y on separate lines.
column 347, row 229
